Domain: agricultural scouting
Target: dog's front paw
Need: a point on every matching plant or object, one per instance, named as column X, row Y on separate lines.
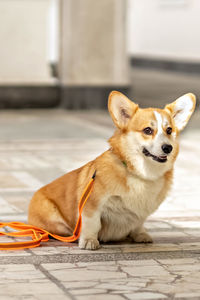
column 143, row 237
column 89, row 244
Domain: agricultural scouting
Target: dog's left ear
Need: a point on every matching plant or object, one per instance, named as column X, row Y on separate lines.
column 182, row 109
column 121, row 109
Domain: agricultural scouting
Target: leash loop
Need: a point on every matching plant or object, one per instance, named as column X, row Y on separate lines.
column 39, row 235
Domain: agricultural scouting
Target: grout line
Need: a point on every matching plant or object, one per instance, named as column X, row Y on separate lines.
column 55, row 281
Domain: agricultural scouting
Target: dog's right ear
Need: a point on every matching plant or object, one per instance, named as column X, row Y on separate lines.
column 121, row 109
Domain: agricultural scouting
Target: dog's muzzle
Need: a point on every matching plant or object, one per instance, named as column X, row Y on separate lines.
column 161, row 158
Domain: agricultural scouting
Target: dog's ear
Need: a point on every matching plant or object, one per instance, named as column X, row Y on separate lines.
column 121, row 109
column 182, row 109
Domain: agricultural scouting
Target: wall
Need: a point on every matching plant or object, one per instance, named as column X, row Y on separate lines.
column 164, row 29
column 24, row 42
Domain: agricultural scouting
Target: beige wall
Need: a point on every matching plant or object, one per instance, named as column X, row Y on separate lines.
column 23, row 41
column 164, row 29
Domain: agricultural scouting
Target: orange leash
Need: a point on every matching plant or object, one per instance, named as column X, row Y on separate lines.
column 39, row 235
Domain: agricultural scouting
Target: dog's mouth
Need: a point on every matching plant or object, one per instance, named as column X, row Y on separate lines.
column 161, row 158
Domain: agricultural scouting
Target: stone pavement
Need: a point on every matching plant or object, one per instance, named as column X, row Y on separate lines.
column 38, row 146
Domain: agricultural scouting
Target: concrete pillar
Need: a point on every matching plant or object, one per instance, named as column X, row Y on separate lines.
column 93, row 58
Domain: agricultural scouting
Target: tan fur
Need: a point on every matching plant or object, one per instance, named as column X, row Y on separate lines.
column 128, row 187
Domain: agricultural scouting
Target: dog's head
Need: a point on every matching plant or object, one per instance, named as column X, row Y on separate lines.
column 148, row 138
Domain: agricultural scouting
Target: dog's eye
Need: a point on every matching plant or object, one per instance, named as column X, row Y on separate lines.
column 148, row 130
column 169, row 130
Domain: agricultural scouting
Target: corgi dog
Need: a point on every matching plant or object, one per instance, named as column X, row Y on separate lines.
column 132, row 177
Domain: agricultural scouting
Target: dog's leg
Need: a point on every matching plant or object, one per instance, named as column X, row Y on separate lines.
column 89, row 233
column 139, row 235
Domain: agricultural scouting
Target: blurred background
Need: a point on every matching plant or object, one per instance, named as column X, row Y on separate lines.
column 72, row 53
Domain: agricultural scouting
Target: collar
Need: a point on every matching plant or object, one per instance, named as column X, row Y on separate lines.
column 124, row 163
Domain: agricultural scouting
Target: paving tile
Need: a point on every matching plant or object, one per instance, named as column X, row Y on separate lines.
column 103, row 249
column 186, row 224
column 100, row 264
column 146, row 271
column 81, row 284
column 164, row 287
column 147, row 262
column 118, row 287
column 14, row 297
column 27, row 179
column 53, row 297
column 14, row 217
column 100, row 297
column 45, row 250
column 159, row 247
column 145, row 295
column 82, row 274
column 25, row 280
column 24, row 288
column 91, row 291
column 190, row 246
column 167, row 234
column 35, row 297
column 192, row 232
column 8, row 180
column 14, row 253
column 187, row 268
column 157, row 225
column 20, row 273
column 188, row 295
column 178, row 261
column 5, row 239
column 6, row 208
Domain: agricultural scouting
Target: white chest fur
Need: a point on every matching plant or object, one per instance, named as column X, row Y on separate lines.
column 125, row 210
column 143, row 195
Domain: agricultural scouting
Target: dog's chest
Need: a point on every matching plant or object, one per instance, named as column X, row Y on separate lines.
column 142, row 196
column 127, row 209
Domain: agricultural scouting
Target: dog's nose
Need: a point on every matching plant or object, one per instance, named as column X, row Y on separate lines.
column 167, row 148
